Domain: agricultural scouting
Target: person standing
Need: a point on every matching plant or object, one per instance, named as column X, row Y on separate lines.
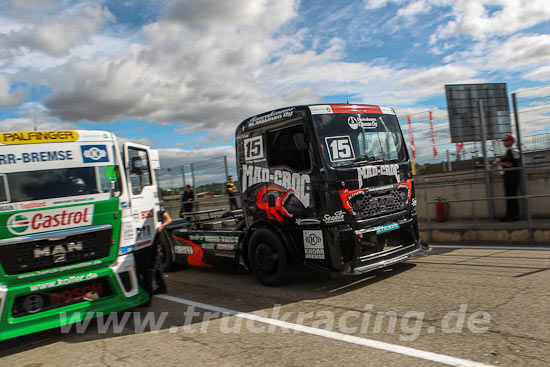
column 157, row 268
column 232, row 192
column 511, row 177
column 143, row 258
column 187, row 200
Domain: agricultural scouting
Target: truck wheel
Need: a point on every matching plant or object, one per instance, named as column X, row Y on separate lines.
column 268, row 258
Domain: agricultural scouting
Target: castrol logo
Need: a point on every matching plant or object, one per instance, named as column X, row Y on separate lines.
column 50, row 220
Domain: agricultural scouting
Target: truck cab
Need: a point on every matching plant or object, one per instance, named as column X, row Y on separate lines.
column 73, row 206
column 332, row 184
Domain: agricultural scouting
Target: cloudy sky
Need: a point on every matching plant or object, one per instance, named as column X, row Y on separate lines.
column 181, row 74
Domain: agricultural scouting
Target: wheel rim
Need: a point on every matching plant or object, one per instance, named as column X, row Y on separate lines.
column 266, row 258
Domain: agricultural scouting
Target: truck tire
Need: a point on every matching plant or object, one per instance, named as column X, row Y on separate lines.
column 268, row 258
column 166, row 255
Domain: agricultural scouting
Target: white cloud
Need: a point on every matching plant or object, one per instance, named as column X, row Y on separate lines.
column 184, row 71
column 474, row 18
column 9, row 98
column 210, row 64
column 523, row 52
column 32, row 6
column 540, row 74
column 56, row 36
column 34, row 119
column 414, row 8
column 376, row 4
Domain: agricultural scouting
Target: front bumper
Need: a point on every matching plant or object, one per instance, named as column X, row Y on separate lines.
column 125, row 293
column 386, row 258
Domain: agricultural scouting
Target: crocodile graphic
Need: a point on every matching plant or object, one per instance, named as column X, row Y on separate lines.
column 286, row 204
column 406, row 185
column 347, row 196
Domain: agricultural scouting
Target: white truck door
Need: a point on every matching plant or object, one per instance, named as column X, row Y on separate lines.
column 143, row 193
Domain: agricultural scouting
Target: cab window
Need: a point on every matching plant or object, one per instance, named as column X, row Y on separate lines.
column 3, row 189
column 287, row 147
column 139, row 170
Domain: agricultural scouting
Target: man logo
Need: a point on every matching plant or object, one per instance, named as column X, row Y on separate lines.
column 353, row 122
column 94, row 153
column 18, row 223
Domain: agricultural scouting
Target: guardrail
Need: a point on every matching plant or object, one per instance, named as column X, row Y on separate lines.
column 469, row 178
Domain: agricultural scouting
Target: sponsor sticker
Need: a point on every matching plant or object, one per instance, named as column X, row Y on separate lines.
column 49, row 220
column 63, row 281
column 8, row 208
column 307, row 221
column 387, row 228
column 36, row 157
column 365, row 122
column 366, row 172
column 271, row 116
column 253, row 148
column 289, row 180
column 94, row 153
column 339, row 148
column 183, row 250
column 36, row 137
column 320, row 109
column 337, row 217
column 313, row 244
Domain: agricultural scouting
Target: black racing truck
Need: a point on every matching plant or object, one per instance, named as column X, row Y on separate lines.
column 325, row 186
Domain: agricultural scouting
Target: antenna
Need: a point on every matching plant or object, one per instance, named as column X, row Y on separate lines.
column 345, row 84
column 34, row 107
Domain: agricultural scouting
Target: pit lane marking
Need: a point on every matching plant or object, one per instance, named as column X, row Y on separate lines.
column 395, row 348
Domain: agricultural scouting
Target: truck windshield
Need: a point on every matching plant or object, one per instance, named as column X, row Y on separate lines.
column 59, row 183
column 359, row 139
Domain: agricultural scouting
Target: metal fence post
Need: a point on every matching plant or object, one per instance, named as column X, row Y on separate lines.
column 488, row 188
column 197, row 205
column 183, row 176
column 523, row 178
column 226, row 170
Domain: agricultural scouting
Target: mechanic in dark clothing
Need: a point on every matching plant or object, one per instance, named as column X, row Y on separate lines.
column 157, row 268
column 145, row 259
column 511, row 178
column 187, row 200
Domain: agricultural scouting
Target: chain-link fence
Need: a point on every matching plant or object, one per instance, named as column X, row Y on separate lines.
column 428, row 135
column 533, row 113
column 207, row 179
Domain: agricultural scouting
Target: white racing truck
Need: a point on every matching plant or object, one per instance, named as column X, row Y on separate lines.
column 73, row 207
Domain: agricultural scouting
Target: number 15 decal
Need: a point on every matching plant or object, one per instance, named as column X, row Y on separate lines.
column 253, row 148
column 339, row 148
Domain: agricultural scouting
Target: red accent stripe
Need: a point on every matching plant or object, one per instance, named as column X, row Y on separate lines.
column 143, row 243
column 198, row 253
column 355, row 108
column 411, row 138
column 432, row 132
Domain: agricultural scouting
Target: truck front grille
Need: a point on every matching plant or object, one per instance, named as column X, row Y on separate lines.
column 370, row 205
column 40, row 252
